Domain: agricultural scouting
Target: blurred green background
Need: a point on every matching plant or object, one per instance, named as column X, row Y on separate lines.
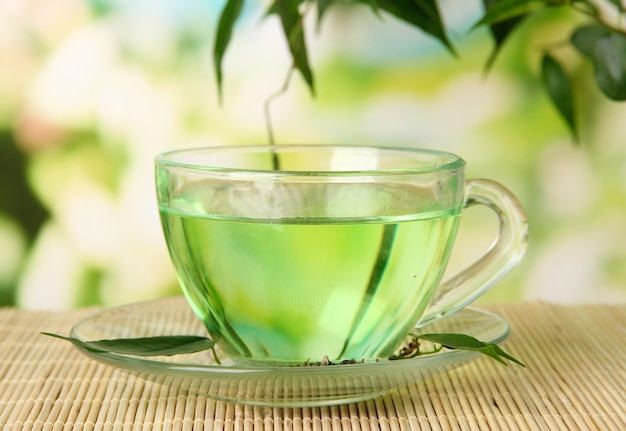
column 91, row 91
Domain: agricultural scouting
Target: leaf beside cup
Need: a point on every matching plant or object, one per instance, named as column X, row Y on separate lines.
column 166, row 345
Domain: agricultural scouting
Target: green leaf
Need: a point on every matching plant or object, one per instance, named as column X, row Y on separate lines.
column 609, row 61
column 559, row 89
column 227, row 20
column 585, row 38
column 502, row 10
column 467, row 342
column 291, row 20
column 423, row 14
column 500, row 31
column 166, row 345
column 607, row 51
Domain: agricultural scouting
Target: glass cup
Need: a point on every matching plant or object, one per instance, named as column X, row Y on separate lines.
column 294, row 253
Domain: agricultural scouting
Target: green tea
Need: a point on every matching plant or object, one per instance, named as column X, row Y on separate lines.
column 300, row 289
column 294, row 253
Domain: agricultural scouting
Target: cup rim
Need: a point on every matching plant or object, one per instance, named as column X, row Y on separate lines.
column 449, row 161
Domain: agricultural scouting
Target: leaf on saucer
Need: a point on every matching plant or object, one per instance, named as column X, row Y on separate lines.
column 166, row 345
column 466, row 342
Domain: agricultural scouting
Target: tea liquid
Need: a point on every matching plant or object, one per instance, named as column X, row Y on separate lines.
column 304, row 289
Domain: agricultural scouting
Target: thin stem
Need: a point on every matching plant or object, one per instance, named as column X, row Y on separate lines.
column 268, row 116
column 266, row 107
column 284, row 87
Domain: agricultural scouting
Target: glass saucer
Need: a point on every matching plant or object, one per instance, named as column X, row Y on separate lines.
column 286, row 386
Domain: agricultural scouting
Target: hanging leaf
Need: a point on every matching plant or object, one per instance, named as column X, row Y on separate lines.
column 586, row 38
column 293, row 29
column 607, row 51
column 560, row 91
column 225, row 25
column 166, row 345
column 500, row 32
column 423, row 14
column 609, row 61
column 504, row 10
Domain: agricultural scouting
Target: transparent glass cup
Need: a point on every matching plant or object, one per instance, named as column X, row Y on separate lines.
column 294, row 253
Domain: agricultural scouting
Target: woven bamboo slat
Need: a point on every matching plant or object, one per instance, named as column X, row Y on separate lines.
column 575, row 379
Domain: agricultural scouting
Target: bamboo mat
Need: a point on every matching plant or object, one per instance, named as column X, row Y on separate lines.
column 575, row 380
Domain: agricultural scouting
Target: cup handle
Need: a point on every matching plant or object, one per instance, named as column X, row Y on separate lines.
column 502, row 256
